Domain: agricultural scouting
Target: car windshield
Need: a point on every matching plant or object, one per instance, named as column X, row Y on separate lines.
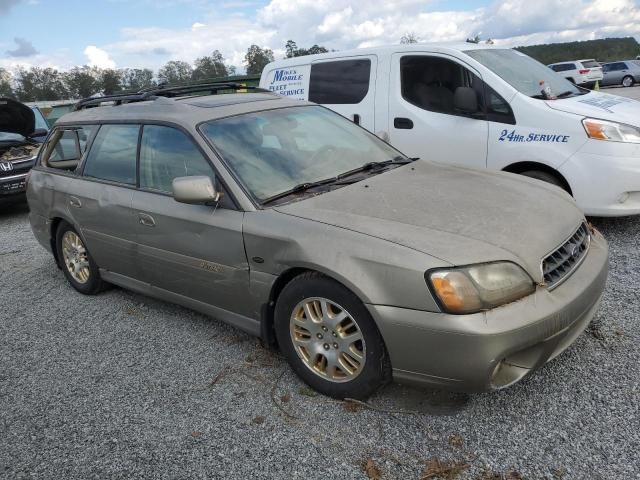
column 272, row 152
column 524, row 73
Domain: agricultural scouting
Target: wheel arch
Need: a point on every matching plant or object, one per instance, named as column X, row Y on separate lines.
column 520, row 167
column 267, row 316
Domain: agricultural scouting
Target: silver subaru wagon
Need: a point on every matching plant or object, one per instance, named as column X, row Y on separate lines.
column 294, row 224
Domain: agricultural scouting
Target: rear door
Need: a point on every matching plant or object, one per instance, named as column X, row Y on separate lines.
column 423, row 120
column 196, row 251
column 347, row 86
column 99, row 200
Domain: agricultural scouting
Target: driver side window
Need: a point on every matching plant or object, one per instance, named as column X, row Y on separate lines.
column 167, row 153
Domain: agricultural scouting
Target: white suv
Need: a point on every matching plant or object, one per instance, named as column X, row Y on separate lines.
column 580, row 72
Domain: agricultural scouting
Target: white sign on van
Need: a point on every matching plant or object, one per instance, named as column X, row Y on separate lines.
column 289, row 82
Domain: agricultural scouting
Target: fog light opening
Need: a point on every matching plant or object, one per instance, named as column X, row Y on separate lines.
column 506, row 374
column 623, row 198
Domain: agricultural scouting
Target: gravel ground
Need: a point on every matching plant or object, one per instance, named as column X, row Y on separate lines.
column 629, row 92
column 120, row 385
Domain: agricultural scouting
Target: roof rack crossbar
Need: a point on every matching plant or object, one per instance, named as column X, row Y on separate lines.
column 164, row 91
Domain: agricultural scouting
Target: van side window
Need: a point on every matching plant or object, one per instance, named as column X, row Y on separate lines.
column 66, row 146
column 430, row 83
column 341, row 82
column 113, row 154
column 498, row 109
column 167, row 153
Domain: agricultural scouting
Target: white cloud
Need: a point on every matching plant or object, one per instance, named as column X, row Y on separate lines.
column 98, row 57
column 345, row 24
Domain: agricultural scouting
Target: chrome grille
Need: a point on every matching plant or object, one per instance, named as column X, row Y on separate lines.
column 559, row 264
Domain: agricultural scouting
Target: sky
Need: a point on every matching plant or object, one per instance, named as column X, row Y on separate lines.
column 148, row 33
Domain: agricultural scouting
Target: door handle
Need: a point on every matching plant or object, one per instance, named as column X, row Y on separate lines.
column 75, row 202
column 403, row 123
column 146, row 220
column 356, row 119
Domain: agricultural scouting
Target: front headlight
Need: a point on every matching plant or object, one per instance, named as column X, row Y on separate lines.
column 612, row 131
column 480, row 287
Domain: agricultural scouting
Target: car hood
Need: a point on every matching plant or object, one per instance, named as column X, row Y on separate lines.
column 16, row 117
column 458, row 215
column 600, row 105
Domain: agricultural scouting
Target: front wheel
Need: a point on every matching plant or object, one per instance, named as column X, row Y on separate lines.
column 627, row 81
column 329, row 338
column 545, row 177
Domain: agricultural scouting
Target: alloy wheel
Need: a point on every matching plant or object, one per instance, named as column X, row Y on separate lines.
column 327, row 339
column 75, row 258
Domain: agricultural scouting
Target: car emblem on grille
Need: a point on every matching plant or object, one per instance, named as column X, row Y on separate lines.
column 575, row 251
column 6, row 166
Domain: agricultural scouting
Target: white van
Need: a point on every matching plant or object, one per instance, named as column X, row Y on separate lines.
column 484, row 107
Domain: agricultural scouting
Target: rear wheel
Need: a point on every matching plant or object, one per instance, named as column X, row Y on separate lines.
column 627, row 81
column 329, row 338
column 545, row 177
column 78, row 266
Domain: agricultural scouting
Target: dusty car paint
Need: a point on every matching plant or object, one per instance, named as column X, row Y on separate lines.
column 377, row 237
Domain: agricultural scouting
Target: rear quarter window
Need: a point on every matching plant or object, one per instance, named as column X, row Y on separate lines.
column 339, row 82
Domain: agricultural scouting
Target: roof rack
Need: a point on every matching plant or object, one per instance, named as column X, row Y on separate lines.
column 210, row 88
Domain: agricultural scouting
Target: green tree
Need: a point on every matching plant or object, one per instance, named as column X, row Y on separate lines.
column 257, row 58
column 175, row 71
column 209, row 67
column 110, row 81
column 83, row 81
column 603, row 50
column 409, row 37
column 39, row 84
column 135, row 79
column 6, row 90
column 292, row 50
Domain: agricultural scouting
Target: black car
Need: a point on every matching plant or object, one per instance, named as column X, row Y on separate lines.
column 22, row 131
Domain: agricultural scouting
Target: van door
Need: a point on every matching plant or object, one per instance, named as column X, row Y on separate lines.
column 423, row 120
column 346, row 86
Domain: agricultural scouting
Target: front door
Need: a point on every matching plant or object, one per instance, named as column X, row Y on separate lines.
column 424, row 121
column 196, row 251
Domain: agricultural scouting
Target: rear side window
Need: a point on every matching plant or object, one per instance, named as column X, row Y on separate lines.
column 590, row 64
column 564, row 67
column 113, row 154
column 341, row 82
column 66, row 146
column 167, row 153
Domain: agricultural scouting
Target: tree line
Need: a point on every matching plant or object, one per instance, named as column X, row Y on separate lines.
column 602, row 50
column 40, row 84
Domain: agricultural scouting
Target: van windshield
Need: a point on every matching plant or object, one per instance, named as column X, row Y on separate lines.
column 525, row 74
column 274, row 152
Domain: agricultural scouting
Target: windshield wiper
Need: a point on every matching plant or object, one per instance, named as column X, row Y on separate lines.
column 338, row 179
column 301, row 187
column 568, row 93
column 372, row 166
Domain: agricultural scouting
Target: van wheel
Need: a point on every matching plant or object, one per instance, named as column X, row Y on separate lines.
column 627, row 81
column 78, row 266
column 329, row 338
column 545, row 177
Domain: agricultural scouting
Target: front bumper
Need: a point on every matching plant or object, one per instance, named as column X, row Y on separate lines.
column 493, row 349
column 605, row 178
column 13, row 186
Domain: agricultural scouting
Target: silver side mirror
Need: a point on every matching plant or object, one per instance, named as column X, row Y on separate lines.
column 195, row 190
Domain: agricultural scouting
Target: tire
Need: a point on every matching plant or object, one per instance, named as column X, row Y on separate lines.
column 627, row 81
column 76, row 262
column 309, row 309
column 545, row 177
